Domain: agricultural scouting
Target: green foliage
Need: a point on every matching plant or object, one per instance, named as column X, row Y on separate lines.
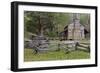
column 49, row 23
column 85, row 19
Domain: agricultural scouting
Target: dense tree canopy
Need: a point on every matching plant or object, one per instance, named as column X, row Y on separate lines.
column 49, row 24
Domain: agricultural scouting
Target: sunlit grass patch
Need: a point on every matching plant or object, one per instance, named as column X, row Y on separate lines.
column 54, row 55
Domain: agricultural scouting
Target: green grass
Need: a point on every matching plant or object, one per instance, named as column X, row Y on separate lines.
column 54, row 55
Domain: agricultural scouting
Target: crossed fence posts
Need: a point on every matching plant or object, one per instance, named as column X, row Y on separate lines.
column 74, row 46
column 68, row 46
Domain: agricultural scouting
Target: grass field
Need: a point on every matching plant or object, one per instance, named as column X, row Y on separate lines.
column 54, row 55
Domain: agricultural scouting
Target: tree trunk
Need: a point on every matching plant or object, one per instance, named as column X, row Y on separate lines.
column 40, row 27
